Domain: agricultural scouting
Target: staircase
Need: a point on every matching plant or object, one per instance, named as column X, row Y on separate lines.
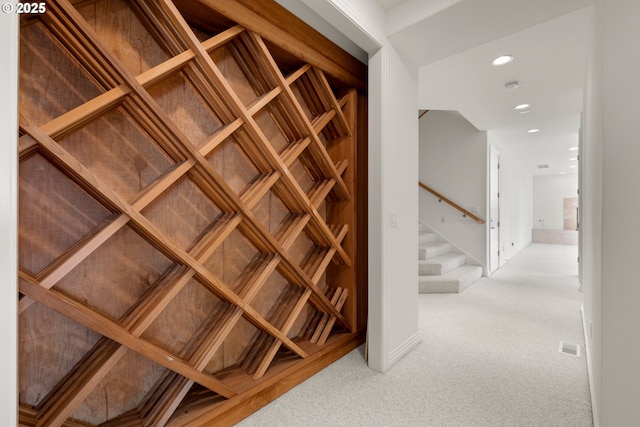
column 439, row 269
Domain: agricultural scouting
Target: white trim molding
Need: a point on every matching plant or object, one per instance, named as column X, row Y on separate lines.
column 350, row 12
column 587, row 352
column 9, row 25
column 403, row 349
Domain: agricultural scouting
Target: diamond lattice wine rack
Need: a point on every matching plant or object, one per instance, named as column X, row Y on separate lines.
column 192, row 233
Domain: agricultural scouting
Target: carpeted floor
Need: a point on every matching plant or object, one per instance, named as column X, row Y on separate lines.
column 489, row 357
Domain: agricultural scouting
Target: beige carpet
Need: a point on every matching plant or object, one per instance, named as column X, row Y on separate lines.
column 489, row 357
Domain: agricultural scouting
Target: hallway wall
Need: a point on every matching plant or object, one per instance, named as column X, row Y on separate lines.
column 393, row 173
column 620, row 208
column 610, row 154
column 516, row 203
column 453, row 161
column 549, row 191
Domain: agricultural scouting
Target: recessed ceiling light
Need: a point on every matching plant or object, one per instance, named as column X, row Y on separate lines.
column 572, row 166
column 573, row 149
column 501, row 60
column 533, row 130
column 525, row 112
column 573, row 158
column 521, row 107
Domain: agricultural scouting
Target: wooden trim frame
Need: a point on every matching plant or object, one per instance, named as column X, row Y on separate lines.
column 192, row 213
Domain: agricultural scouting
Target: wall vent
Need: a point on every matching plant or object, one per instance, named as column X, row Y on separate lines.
column 543, row 166
column 569, row 348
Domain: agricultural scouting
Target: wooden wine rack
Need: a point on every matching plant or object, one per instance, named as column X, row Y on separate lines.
column 191, row 205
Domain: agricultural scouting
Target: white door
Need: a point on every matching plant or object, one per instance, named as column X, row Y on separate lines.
column 494, row 210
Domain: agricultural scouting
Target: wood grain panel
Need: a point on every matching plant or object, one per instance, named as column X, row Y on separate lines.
column 54, row 213
column 55, row 83
column 45, row 355
column 127, row 383
column 116, row 151
column 116, row 25
column 185, row 108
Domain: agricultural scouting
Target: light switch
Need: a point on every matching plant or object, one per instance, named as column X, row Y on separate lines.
column 394, row 219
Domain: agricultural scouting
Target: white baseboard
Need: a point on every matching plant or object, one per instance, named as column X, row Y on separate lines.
column 400, row 351
column 587, row 352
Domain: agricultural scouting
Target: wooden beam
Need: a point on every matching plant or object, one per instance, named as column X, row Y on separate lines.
column 281, row 28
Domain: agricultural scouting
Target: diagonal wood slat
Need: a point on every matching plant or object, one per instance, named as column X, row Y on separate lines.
column 87, row 374
column 54, row 272
column 218, row 186
column 68, row 122
column 101, row 191
column 326, row 161
column 58, row 405
column 295, row 151
column 327, row 330
column 96, row 187
column 218, row 81
column 157, row 411
column 107, row 327
column 270, row 354
column 343, row 124
column 322, row 155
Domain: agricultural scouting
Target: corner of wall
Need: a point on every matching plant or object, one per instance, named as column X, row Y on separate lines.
column 393, row 309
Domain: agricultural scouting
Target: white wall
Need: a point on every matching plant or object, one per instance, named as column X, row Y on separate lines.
column 516, row 202
column 8, row 216
column 549, row 192
column 453, row 161
column 393, row 174
column 620, row 210
column 591, row 150
column 611, row 202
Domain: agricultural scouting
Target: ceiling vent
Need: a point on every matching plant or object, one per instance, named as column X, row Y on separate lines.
column 512, row 85
column 543, row 166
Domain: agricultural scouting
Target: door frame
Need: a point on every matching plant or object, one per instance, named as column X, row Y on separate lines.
column 494, row 210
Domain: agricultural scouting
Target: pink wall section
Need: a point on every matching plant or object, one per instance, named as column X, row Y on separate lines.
column 554, row 237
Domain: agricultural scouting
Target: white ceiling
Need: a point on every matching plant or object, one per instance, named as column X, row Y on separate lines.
column 453, row 48
column 390, row 4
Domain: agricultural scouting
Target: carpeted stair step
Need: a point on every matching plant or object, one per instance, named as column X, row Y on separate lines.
column 441, row 264
column 433, row 249
column 452, row 282
column 425, row 237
